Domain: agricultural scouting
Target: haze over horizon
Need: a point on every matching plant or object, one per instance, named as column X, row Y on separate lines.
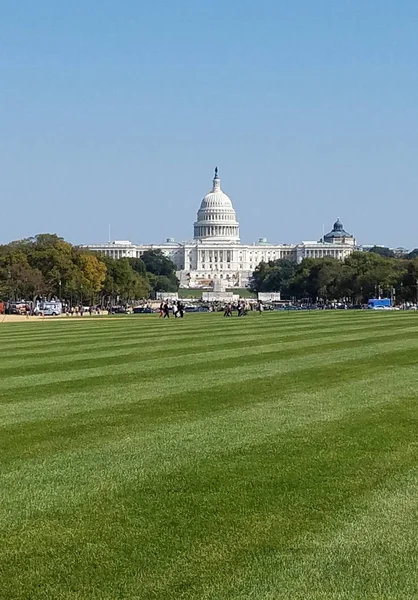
column 119, row 114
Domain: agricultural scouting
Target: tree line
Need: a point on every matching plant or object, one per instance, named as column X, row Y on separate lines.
column 48, row 266
column 361, row 276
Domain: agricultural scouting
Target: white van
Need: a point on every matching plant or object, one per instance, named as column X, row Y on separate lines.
column 50, row 308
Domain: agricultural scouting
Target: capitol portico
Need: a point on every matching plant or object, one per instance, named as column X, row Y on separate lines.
column 216, row 255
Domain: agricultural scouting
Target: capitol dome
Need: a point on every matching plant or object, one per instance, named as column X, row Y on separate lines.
column 216, row 217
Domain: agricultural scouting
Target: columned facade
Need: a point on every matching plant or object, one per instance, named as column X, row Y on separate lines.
column 216, row 254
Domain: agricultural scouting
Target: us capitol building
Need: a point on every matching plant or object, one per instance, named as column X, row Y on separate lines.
column 215, row 256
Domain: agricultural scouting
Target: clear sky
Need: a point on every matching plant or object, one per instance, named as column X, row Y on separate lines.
column 117, row 112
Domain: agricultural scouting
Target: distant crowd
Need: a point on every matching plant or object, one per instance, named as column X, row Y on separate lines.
column 242, row 307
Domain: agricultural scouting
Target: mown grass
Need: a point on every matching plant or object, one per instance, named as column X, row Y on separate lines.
column 271, row 457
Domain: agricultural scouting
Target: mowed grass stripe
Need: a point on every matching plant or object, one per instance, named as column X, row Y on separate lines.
column 70, row 401
column 222, row 537
column 272, row 415
column 217, row 478
column 160, row 330
column 175, row 341
column 386, row 523
column 318, row 492
column 201, row 369
column 169, row 445
column 134, row 351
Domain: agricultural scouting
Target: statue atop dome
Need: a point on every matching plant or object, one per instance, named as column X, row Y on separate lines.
column 216, row 173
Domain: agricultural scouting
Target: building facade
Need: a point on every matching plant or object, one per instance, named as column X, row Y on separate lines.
column 216, row 256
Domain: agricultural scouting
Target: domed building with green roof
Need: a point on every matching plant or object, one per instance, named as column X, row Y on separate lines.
column 338, row 235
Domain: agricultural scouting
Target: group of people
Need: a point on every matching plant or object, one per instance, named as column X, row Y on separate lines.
column 78, row 311
column 178, row 310
column 242, row 308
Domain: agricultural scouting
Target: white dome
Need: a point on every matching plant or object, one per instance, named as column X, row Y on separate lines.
column 216, row 217
column 216, row 199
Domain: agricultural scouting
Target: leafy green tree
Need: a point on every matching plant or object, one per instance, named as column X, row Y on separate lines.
column 407, row 288
column 161, row 283
column 18, row 279
column 382, row 251
column 273, row 276
column 161, row 271
column 138, row 265
column 157, row 263
column 323, row 280
column 300, row 286
column 123, row 282
column 367, row 275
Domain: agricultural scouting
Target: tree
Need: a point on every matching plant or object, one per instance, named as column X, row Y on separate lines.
column 366, row 275
column 161, row 271
column 162, row 283
column 123, row 282
column 274, row 276
column 323, row 280
column 53, row 257
column 382, row 251
column 407, row 288
column 138, row 265
column 48, row 266
column 157, row 263
column 18, row 279
column 92, row 274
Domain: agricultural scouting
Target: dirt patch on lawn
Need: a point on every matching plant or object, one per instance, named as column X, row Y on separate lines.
column 25, row 319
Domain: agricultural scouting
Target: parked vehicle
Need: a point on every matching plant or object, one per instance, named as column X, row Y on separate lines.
column 17, row 308
column 380, row 304
column 48, row 308
column 118, row 310
column 194, row 309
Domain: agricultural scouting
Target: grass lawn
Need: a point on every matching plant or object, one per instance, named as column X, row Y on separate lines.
column 262, row 458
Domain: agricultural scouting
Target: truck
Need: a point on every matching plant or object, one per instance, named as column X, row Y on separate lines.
column 379, row 303
column 48, row 308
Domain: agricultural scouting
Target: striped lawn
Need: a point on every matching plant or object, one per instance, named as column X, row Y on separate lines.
column 271, row 457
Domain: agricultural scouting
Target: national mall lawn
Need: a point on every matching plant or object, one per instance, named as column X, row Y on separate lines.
column 257, row 458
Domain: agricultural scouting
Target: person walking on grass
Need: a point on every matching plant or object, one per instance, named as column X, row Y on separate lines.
column 260, row 307
column 242, row 309
column 228, row 310
column 161, row 310
column 166, row 311
column 175, row 310
column 181, row 309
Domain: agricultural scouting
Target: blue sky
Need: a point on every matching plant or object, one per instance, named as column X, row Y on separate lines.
column 117, row 112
